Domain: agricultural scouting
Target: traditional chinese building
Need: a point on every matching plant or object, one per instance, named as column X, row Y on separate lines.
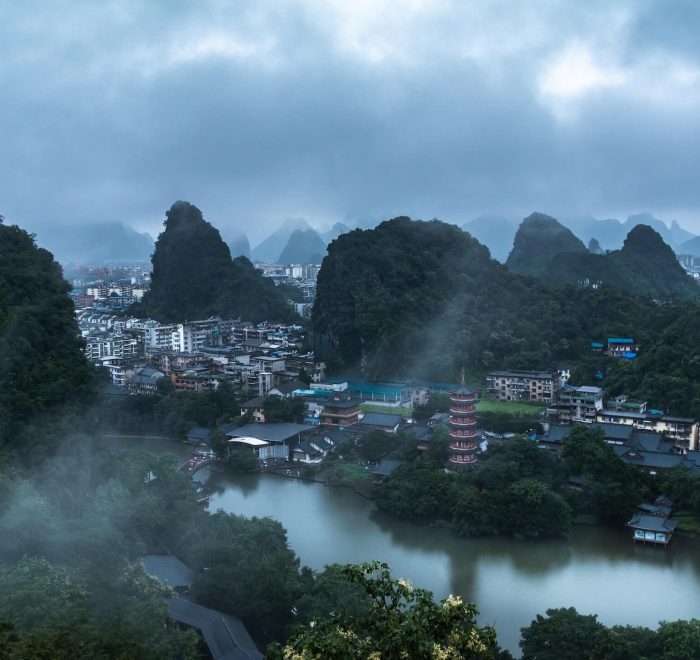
column 463, row 436
column 340, row 411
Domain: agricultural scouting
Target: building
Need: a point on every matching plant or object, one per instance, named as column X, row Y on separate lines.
column 682, row 431
column 267, row 441
column 341, row 411
column 536, row 386
column 622, row 347
column 225, row 636
column 579, row 404
column 110, row 346
column 463, row 434
column 144, row 381
column 652, row 524
column 387, row 422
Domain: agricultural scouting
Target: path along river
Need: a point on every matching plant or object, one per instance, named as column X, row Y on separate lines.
column 597, row 570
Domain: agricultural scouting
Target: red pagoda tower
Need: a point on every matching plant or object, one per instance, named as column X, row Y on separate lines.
column 463, row 436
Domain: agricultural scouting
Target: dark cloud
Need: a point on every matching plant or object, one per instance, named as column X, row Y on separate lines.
column 258, row 111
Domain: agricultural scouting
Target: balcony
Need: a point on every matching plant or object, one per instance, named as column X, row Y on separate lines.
column 463, row 422
column 457, row 398
column 463, row 446
column 464, row 458
column 463, row 410
column 459, row 434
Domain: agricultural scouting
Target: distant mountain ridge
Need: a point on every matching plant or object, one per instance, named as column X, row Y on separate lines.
column 303, row 247
column 96, row 243
column 271, row 247
column 493, row 231
column 611, row 233
column 238, row 244
column 645, row 265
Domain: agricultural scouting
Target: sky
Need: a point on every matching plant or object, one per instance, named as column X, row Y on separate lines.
column 351, row 110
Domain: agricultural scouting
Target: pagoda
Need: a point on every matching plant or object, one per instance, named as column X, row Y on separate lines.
column 463, row 435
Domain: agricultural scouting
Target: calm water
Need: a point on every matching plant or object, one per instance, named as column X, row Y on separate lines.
column 598, row 570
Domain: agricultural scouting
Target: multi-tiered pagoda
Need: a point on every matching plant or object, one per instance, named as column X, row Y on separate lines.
column 463, row 436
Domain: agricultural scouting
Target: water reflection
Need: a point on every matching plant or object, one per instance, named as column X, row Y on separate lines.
column 597, row 570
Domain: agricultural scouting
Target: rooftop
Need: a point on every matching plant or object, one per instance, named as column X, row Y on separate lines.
column 225, row 636
column 652, row 523
column 273, row 432
column 169, row 570
column 386, row 420
column 386, row 467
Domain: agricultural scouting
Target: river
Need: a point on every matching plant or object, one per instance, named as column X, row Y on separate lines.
column 597, row 570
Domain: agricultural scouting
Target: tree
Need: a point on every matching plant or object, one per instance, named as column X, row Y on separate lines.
column 280, row 409
column 402, row 622
column 246, row 568
column 330, row 592
column 375, row 445
column 563, row 634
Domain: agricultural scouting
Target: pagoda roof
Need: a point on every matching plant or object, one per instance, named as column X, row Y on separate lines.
column 463, row 389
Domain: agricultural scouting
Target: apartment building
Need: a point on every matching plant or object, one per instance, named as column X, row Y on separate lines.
column 535, row 386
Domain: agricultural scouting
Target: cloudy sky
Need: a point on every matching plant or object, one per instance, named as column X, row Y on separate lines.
column 327, row 109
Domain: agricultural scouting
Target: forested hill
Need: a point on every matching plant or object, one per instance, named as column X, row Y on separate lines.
column 645, row 266
column 537, row 240
column 424, row 299
column 42, row 367
column 194, row 276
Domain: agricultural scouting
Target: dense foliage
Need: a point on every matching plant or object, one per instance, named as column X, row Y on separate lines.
column 423, row 299
column 564, row 634
column 42, row 368
column 167, row 412
column 194, row 276
column 88, row 517
column 538, row 239
column 613, row 488
column 514, row 490
column 402, row 622
column 644, row 266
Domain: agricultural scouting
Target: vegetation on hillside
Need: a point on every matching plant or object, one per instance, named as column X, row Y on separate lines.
column 644, row 266
column 423, row 299
column 194, row 276
column 538, row 239
column 42, row 367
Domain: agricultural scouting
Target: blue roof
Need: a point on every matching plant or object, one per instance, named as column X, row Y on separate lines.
column 169, row 570
column 620, row 340
column 629, row 355
column 381, row 419
column 597, row 344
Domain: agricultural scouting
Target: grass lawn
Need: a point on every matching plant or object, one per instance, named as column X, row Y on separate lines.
column 371, row 407
column 687, row 522
column 512, row 407
column 351, row 473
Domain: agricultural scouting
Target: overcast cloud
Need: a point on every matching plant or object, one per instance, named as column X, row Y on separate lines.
column 258, row 111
